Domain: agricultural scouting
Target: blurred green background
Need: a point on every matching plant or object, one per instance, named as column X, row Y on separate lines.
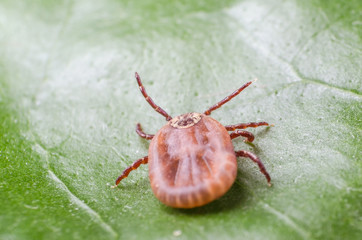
column 69, row 104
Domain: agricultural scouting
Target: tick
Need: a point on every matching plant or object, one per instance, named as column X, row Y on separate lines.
column 191, row 160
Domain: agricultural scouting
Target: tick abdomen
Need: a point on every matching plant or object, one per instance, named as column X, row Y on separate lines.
column 191, row 165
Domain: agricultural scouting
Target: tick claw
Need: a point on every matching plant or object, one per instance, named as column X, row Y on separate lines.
column 114, row 186
column 269, row 184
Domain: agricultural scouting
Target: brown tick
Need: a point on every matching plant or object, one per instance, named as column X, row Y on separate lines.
column 191, row 160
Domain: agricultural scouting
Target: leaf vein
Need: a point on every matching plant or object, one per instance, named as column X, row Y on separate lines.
column 288, row 221
column 40, row 148
column 94, row 215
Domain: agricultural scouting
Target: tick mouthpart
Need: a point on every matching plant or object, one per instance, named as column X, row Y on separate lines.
column 186, row 120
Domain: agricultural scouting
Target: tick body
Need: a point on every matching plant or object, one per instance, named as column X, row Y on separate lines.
column 192, row 159
column 191, row 165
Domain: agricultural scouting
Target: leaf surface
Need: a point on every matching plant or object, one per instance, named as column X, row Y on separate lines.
column 69, row 104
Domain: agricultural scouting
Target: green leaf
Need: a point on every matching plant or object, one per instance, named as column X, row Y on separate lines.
column 69, row 104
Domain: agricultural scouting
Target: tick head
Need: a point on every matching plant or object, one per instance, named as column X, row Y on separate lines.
column 185, row 120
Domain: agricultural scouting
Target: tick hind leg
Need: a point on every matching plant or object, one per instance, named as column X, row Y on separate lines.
column 134, row 166
column 255, row 159
column 142, row 134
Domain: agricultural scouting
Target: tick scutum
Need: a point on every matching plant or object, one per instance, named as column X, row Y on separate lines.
column 185, row 120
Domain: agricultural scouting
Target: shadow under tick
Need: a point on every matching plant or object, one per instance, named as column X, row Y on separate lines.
column 237, row 196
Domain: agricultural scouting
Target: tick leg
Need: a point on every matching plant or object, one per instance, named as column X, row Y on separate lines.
column 142, row 134
column 246, row 125
column 228, row 98
column 249, row 136
column 150, row 101
column 134, row 166
column 255, row 159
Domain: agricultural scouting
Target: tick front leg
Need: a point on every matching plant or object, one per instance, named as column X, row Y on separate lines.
column 249, row 136
column 134, row 166
column 150, row 101
column 142, row 134
column 228, row 98
column 246, row 125
column 255, row 159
